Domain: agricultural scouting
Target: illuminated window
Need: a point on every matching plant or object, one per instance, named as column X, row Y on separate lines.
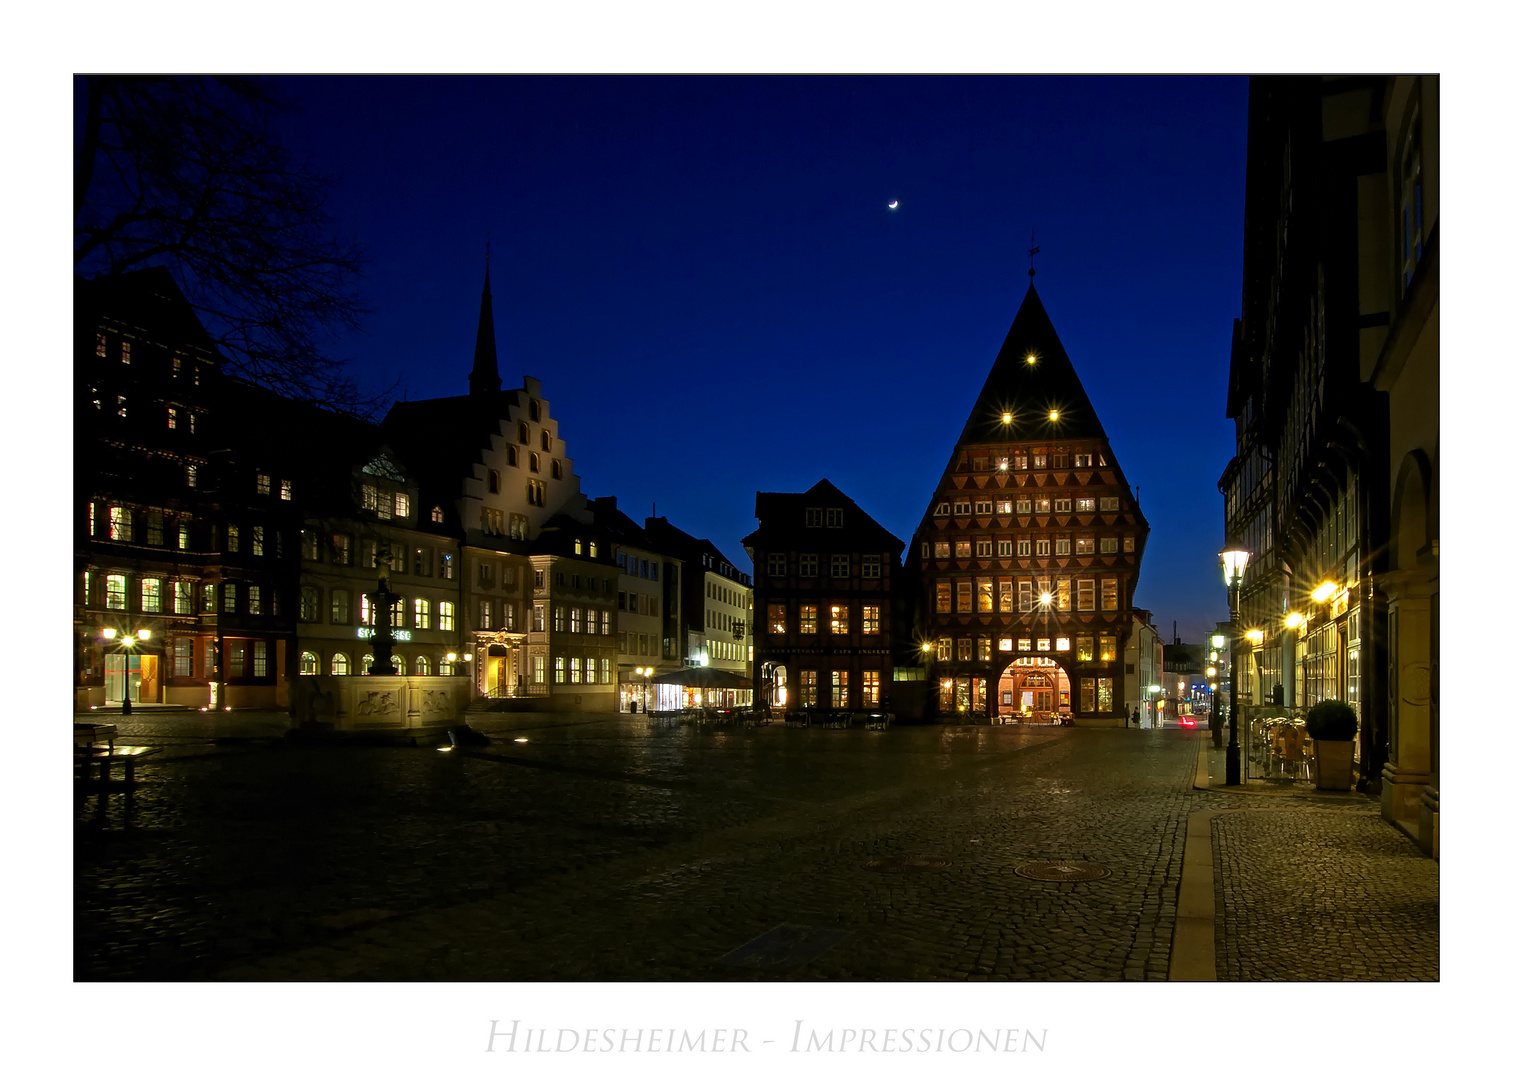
column 339, row 664
column 192, row 475
column 777, row 618
column 446, row 615
column 1106, row 647
column 1063, row 594
column 341, row 549
column 125, row 352
column 254, row 599
column 120, row 523
column 1006, row 596
column 183, row 598
column 286, row 490
column 447, row 566
column 840, row 689
column 257, row 539
column 264, row 484
column 963, row 595
column 809, row 618
column 942, row 549
column 871, row 619
column 1129, row 543
column 260, row 659
column 183, row 659
column 1087, row 505
column 152, row 594
column 1040, row 461
column 1043, row 506
column 1063, row 644
column 1084, row 545
column 99, row 344
column 229, row 596
column 1063, row 506
column 1022, row 644
column 1087, row 694
column 173, row 417
column 870, row 685
column 1005, row 506
column 1110, row 594
column 538, row 669
column 401, row 505
column 840, row 619
column 1105, row 695
column 1084, row 646
column 121, row 406
column 1043, row 644
column 942, row 596
column 984, row 594
column 964, row 649
column 422, row 614
column 422, row 665
column 1083, row 461
column 943, row 649
column 575, row 666
column 963, row 549
column 809, row 688
column 1021, row 462
column 984, row 648
column 559, row 667
column 1085, row 594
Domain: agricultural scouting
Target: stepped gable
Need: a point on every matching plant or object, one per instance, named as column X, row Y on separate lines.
column 441, row 438
column 1029, row 391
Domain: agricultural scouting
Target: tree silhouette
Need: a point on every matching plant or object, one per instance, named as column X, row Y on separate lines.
column 188, row 173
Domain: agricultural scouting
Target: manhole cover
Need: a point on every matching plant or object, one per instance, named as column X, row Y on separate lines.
column 1061, row 871
column 907, row 864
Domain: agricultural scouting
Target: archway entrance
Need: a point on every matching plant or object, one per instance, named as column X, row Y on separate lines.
column 1034, row 689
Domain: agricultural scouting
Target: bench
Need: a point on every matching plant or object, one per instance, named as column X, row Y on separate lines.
column 97, row 743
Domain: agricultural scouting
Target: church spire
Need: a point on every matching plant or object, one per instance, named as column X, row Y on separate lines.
column 484, row 378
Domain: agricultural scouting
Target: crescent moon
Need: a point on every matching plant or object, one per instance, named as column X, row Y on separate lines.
column 893, row 205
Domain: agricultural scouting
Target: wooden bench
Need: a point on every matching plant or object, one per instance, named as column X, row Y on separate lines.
column 97, row 743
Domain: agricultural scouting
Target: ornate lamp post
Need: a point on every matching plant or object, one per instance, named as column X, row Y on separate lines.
column 128, row 642
column 1233, row 561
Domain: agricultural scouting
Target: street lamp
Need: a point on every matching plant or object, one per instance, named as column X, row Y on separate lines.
column 128, row 642
column 1233, row 562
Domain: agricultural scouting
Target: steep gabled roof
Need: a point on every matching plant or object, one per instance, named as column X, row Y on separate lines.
column 441, row 438
column 782, row 520
column 1028, row 391
column 148, row 300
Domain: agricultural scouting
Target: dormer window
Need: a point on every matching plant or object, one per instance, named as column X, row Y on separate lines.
column 436, row 514
column 535, row 411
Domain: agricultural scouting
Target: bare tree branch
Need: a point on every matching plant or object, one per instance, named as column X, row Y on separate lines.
column 188, row 173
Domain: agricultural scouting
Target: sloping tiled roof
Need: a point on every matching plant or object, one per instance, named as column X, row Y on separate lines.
column 1029, row 391
column 441, row 438
column 149, row 300
column 781, row 518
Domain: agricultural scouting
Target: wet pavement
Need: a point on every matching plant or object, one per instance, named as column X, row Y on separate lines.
column 623, row 849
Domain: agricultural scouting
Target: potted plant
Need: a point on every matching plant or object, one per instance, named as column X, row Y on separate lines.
column 1332, row 725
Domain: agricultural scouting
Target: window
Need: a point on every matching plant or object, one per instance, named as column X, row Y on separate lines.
column 1022, row 644
column 254, row 599
column 121, row 406
column 1040, row 460
column 1105, row 695
column 100, row 345
column 401, row 505
column 125, row 352
column 1063, row 506
column 984, row 509
column 1084, row 545
column 984, row 594
column 963, row 594
column 558, row 670
column 575, row 666
column 1024, row 547
column 1129, row 543
column 183, row 537
column 1005, row 549
column 260, row 659
column 546, row 439
column 840, row 689
column 115, row 591
column 1063, row 594
column 1084, row 594
column 1084, row 647
column 1087, row 694
column 559, row 618
column 229, row 597
column 120, row 523
column 257, row 539
column 809, row 618
column 943, row 509
column 1411, row 203
column 833, row 517
column 341, row 607
column 942, row 549
column 173, row 417
column 1063, row 545
column 152, row 594
column 777, row 618
column 1109, row 502
column 942, row 596
column 1006, row 596
column 840, row 566
column 1087, row 505
column 1022, row 506
column 341, row 550
column 446, row 566
column 575, row 620
column 233, row 539
column 309, row 606
column 1106, row 647
column 963, row 549
column 1026, row 594
column 809, row 565
column 1043, row 506
column 871, row 619
column 286, row 490
column 964, row 649
column 1110, row 594
column 809, row 688
column 1021, row 462
column 984, row 548
column 535, row 461
column 777, row 564
column 535, row 493
column 183, row 658
column 523, row 432
column 943, row 649
column 962, row 508
column 1082, row 461
column 870, row 684
column 183, row 598
column 1108, row 545
column 984, row 648
column 192, row 475
column 1043, row 545
column 557, row 475
column 422, row 665
column 446, row 615
column 840, row 619
column 1058, row 460
column 340, row 664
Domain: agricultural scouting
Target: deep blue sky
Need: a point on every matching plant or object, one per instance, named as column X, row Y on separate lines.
column 704, row 274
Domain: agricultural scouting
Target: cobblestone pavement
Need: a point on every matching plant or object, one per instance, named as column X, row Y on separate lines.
column 1329, row 894
column 618, row 849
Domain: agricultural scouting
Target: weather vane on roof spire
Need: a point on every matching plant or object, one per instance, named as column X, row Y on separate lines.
column 1034, row 250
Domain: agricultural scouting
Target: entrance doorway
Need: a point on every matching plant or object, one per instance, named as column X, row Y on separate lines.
column 141, row 670
column 1034, row 689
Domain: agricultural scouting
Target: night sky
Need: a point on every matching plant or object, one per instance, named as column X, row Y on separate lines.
column 706, row 277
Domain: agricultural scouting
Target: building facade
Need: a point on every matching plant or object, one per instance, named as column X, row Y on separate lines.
column 1334, row 393
column 648, row 606
column 715, row 601
column 825, row 629
column 1029, row 553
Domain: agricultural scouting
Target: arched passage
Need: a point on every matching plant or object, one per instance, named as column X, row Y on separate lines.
column 1033, row 689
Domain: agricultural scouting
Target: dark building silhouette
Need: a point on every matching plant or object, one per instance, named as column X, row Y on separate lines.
column 1029, row 553
column 826, row 630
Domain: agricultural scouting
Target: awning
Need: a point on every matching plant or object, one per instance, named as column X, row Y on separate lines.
column 705, row 677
